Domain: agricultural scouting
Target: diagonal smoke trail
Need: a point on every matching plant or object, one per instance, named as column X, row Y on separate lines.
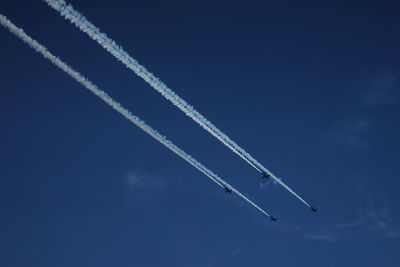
column 69, row 13
column 117, row 106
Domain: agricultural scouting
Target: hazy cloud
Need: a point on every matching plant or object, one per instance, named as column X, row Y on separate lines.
column 383, row 90
column 143, row 185
column 237, row 251
column 375, row 224
column 351, row 133
column 371, row 221
column 268, row 183
column 264, row 185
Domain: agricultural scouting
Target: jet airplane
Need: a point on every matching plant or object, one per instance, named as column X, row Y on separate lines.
column 266, row 175
column 228, row 190
column 312, row 209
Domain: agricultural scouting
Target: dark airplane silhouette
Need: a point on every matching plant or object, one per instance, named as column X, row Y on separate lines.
column 272, row 218
column 227, row 190
column 312, row 209
column 266, row 175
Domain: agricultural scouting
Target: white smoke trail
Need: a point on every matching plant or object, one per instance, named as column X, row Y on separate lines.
column 117, row 106
column 76, row 18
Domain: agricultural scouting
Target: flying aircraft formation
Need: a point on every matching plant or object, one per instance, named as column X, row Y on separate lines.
column 80, row 21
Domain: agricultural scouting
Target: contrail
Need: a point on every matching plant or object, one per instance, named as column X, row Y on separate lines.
column 117, row 106
column 80, row 21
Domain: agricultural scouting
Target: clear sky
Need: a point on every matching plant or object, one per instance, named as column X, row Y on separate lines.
column 311, row 90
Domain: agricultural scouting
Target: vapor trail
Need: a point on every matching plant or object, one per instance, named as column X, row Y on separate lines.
column 80, row 21
column 117, row 106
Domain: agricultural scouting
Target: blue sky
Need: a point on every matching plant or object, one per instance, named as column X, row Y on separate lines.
column 310, row 89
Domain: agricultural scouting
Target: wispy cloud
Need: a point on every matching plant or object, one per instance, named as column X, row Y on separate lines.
column 264, row 185
column 136, row 180
column 322, row 235
column 237, row 251
column 370, row 225
column 373, row 219
column 383, row 90
column 351, row 133
column 268, row 183
column 140, row 184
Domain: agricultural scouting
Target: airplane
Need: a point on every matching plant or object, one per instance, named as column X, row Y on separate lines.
column 227, row 190
column 272, row 218
column 266, row 175
column 312, row 209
